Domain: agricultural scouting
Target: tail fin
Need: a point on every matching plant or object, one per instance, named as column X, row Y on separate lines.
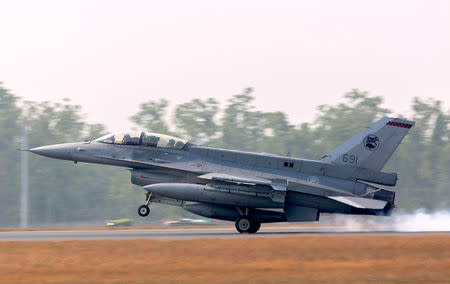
column 372, row 147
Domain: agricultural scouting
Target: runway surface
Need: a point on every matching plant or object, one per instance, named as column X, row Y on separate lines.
column 183, row 234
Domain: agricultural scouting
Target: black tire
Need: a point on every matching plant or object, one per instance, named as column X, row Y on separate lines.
column 255, row 227
column 143, row 210
column 244, row 224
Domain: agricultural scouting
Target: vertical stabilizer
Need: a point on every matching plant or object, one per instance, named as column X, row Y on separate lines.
column 372, row 147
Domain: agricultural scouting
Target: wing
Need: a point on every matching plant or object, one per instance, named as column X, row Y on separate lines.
column 281, row 185
column 276, row 184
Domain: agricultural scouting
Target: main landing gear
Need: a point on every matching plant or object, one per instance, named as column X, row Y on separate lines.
column 245, row 224
column 144, row 210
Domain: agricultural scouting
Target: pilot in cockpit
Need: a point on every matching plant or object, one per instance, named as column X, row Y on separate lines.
column 128, row 140
column 171, row 143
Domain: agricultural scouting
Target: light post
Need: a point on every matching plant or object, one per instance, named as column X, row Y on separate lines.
column 24, row 178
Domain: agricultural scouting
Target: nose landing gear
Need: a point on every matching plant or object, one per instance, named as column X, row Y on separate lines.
column 144, row 210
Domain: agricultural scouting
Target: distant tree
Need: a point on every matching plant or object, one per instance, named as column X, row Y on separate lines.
column 152, row 115
column 62, row 192
column 95, row 131
column 335, row 124
column 422, row 160
column 196, row 118
column 301, row 142
column 10, row 132
column 243, row 127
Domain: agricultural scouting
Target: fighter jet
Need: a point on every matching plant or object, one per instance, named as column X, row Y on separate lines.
column 251, row 188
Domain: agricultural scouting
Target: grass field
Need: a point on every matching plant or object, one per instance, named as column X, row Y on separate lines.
column 303, row 259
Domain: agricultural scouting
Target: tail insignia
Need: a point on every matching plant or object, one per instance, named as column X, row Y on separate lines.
column 371, row 142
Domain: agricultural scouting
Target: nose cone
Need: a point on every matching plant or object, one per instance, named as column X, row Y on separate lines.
column 57, row 151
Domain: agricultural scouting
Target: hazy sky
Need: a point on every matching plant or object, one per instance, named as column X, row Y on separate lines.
column 109, row 56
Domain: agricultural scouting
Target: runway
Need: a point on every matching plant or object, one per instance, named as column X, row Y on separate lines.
column 186, row 234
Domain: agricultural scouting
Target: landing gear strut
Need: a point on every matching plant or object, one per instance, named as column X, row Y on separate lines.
column 144, row 210
column 245, row 224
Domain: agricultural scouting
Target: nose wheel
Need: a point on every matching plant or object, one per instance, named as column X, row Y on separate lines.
column 144, row 210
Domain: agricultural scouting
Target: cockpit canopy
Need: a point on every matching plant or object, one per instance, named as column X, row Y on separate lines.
column 144, row 139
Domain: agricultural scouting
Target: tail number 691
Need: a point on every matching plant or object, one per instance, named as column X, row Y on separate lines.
column 350, row 159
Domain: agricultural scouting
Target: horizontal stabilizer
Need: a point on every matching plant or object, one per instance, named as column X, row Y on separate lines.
column 280, row 185
column 360, row 202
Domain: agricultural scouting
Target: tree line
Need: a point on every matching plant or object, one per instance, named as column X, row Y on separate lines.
column 83, row 193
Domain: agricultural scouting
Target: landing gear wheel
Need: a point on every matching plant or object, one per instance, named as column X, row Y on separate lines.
column 244, row 224
column 143, row 210
column 255, row 227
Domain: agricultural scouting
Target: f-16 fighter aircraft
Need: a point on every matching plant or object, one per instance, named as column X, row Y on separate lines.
column 251, row 188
